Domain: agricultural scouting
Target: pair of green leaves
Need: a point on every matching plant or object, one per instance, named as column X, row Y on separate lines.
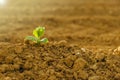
column 38, row 33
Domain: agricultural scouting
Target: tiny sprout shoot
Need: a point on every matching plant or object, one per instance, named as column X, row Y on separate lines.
column 38, row 33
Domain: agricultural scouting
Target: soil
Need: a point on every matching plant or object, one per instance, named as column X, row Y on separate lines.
column 84, row 40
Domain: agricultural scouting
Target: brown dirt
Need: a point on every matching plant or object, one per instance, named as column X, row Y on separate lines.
column 84, row 40
column 57, row 61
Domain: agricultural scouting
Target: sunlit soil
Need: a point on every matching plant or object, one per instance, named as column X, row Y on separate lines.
column 84, row 36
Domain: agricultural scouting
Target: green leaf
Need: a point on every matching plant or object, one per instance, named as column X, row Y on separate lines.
column 39, row 32
column 44, row 40
column 31, row 38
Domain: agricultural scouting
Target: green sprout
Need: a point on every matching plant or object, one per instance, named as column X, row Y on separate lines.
column 38, row 33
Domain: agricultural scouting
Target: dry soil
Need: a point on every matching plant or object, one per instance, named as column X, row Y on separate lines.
column 84, row 40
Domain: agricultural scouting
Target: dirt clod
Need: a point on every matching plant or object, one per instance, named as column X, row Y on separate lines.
column 79, row 64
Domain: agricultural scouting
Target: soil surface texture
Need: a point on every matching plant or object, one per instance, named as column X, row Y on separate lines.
column 84, row 40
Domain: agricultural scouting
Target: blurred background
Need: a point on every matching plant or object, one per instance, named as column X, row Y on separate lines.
column 82, row 22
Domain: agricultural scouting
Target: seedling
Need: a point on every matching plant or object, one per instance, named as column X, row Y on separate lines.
column 38, row 33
